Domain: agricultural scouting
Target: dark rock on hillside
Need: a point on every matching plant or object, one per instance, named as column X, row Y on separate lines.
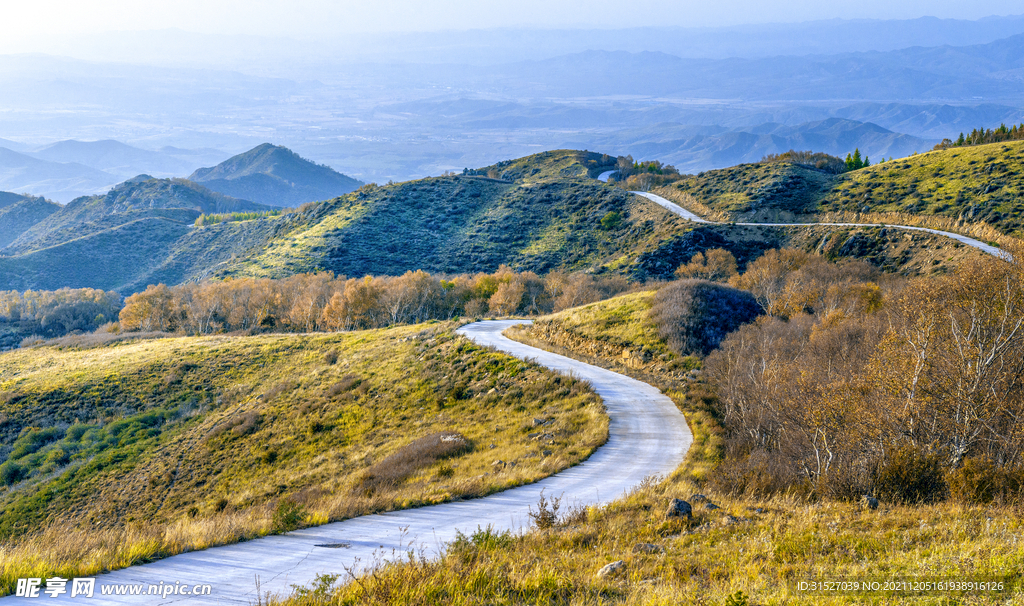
column 275, row 176
column 661, row 263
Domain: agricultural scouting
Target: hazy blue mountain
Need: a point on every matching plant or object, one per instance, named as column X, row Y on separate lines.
column 275, row 176
column 306, row 58
column 115, row 158
column 698, row 148
column 13, row 145
column 54, row 180
column 985, row 71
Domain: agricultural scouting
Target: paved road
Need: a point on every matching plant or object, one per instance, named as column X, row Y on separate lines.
column 682, row 212
column 605, row 175
column 647, row 435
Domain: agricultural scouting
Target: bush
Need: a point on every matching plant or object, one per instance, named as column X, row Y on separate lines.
column 288, row 515
column 980, row 481
column 10, row 473
column 693, row 316
column 910, row 475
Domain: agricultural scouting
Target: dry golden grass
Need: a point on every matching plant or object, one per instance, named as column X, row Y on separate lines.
column 245, row 436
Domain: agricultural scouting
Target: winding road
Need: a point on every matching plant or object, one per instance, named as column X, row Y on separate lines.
column 682, row 212
column 647, row 435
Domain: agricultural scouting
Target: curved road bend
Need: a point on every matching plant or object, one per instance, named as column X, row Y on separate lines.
column 682, row 212
column 646, row 435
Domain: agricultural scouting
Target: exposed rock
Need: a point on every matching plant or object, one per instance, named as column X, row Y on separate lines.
column 728, row 520
column 546, row 453
column 498, row 463
column 868, row 502
column 611, row 569
column 711, row 506
column 679, row 508
column 648, row 548
column 538, row 422
column 699, row 498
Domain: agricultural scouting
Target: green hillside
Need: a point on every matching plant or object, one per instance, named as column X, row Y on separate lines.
column 207, row 440
column 123, row 204
column 982, row 183
column 275, row 176
column 545, row 214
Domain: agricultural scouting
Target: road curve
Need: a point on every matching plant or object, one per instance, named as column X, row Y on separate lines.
column 682, row 212
column 647, row 435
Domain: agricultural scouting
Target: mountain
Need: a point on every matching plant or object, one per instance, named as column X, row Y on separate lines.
column 20, row 212
column 541, row 213
column 700, row 148
column 275, row 176
column 114, row 157
column 982, row 183
column 54, row 180
column 177, row 200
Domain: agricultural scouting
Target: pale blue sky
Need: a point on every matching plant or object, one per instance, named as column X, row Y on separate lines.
column 46, row 18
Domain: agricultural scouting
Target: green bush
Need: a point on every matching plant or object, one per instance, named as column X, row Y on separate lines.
column 289, row 515
column 910, row 475
column 10, row 473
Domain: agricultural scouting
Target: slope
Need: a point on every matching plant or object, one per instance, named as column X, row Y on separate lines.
column 18, row 213
column 135, row 198
column 54, row 180
column 538, row 213
column 113, row 157
column 212, row 440
column 276, row 176
column 980, row 185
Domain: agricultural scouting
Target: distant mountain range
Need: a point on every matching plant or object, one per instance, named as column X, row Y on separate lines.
column 59, row 181
column 693, row 149
column 276, row 176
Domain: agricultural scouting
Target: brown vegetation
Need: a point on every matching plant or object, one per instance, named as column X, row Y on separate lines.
column 850, row 387
column 321, row 301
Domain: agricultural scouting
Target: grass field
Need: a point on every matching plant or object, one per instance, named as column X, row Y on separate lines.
column 118, row 454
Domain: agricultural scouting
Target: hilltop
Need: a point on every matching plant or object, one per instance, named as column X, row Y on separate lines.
column 977, row 184
column 276, row 176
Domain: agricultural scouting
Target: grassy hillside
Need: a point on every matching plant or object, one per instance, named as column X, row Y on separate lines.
column 90, row 214
column 275, row 176
column 162, row 445
column 980, row 184
column 544, row 214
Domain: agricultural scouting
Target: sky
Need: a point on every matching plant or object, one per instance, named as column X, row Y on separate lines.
column 43, row 19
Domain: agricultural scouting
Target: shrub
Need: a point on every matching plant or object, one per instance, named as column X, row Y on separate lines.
column 693, row 316
column 10, row 473
column 611, row 221
column 910, row 475
column 546, row 515
column 288, row 515
column 979, row 480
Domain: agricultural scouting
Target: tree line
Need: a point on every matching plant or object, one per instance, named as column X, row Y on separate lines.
column 981, row 136
column 325, row 302
column 853, row 382
column 633, row 175
column 55, row 312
